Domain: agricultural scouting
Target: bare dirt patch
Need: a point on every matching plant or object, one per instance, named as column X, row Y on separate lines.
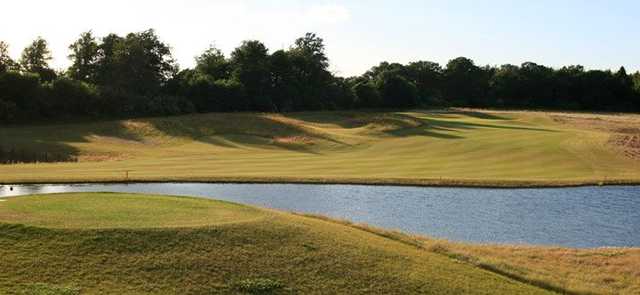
column 386, row 122
column 624, row 132
column 294, row 140
column 608, row 123
column 102, row 157
column 629, row 144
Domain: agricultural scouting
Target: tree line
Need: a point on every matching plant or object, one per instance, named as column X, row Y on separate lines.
column 136, row 75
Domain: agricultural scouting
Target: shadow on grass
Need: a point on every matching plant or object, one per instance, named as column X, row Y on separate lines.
column 294, row 132
column 436, row 126
column 235, row 130
column 54, row 143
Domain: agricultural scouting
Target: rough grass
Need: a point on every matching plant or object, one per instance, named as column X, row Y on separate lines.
column 455, row 147
column 562, row 270
column 278, row 254
column 570, row 271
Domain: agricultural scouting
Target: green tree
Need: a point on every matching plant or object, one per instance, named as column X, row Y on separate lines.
column 466, row 84
column 367, row 95
column 106, row 63
column 623, row 87
column 310, row 76
column 35, row 59
column 378, row 72
column 84, row 56
column 397, row 92
column 636, row 90
column 6, row 62
column 312, row 47
column 283, row 84
column 139, row 63
column 427, row 76
column 250, row 64
column 213, row 63
column 506, row 85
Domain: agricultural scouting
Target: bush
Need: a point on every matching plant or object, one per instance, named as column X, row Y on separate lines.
column 7, row 111
column 164, row 105
column 22, row 91
column 72, row 97
column 210, row 95
column 398, row 92
column 367, row 95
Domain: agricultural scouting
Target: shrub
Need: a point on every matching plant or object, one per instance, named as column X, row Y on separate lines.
column 73, row 97
column 7, row 111
column 367, row 95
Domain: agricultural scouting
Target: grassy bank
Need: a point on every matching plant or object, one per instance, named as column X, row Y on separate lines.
column 456, row 147
column 132, row 244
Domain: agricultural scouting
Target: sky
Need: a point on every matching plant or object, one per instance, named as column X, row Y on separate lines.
column 358, row 34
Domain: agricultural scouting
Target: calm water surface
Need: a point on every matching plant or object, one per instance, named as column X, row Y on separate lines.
column 574, row 217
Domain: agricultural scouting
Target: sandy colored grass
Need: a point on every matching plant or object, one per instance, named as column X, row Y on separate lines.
column 562, row 270
column 291, row 254
column 574, row 271
column 450, row 147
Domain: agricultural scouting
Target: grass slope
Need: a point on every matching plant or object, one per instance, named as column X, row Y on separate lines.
column 264, row 250
column 417, row 147
column 571, row 271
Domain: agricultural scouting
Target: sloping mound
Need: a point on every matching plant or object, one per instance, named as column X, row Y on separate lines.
column 279, row 253
column 108, row 210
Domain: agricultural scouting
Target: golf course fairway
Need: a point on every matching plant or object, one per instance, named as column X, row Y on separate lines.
column 437, row 147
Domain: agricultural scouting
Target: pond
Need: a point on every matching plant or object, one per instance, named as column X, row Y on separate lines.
column 572, row 217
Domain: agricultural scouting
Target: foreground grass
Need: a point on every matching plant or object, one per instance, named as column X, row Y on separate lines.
column 264, row 251
column 576, row 271
column 562, row 270
column 457, row 147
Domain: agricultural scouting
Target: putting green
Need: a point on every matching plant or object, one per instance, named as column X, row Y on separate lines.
column 109, row 210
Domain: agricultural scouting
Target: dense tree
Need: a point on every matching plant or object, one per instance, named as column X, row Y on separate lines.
column 250, row 63
column 636, row 92
column 310, row 76
column 397, row 92
column 136, row 75
column 376, row 73
column 23, row 92
column 213, row 63
column 106, row 63
column 427, row 76
column 283, row 89
column 84, row 56
column 537, row 84
column 466, row 83
column 367, row 95
column 506, row 86
column 72, row 97
column 6, row 62
column 142, row 63
column 569, row 86
column 35, row 59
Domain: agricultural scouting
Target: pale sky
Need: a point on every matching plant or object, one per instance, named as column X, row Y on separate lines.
column 358, row 34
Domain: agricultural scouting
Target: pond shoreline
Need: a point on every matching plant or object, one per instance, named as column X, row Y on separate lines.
column 577, row 217
column 403, row 182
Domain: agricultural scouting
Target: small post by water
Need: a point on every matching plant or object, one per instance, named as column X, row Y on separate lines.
column 126, row 175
